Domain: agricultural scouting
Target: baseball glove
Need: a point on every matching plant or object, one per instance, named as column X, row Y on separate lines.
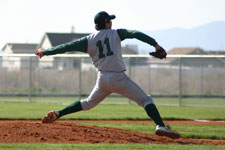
column 159, row 53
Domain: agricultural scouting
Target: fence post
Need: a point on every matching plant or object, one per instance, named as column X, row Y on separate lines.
column 129, row 69
column 201, row 86
column 30, row 78
column 37, row 80
column 180, row 81
column 80, row 78
column 0, row 63
column 149, row 78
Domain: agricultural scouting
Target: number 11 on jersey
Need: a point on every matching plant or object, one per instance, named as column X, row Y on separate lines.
column 100, row 48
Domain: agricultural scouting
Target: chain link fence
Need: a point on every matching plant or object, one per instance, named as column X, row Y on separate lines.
column 179, row 80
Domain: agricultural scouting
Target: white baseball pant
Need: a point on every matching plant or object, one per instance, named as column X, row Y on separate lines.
column 115, row 82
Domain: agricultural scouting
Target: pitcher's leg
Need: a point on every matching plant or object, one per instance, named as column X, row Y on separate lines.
column 72, row 108
column 127, row 88
column 153, row 113
column 99, row 93
column 55, row 114
column 132, row 91
column 96, row 96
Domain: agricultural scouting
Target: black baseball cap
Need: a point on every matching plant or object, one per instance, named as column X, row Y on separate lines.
column 102, row 17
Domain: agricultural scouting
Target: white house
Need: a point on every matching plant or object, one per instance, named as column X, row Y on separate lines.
column 193, row 62
column 53, row 39
column 17, row 63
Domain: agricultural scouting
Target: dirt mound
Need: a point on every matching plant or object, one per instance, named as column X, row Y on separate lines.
column 68, row 132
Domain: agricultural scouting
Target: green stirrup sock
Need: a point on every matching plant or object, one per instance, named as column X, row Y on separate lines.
column 152, row 112
column 74, row 107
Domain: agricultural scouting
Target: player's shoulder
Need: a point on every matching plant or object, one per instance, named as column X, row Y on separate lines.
column 101, row 33
column 92, row 35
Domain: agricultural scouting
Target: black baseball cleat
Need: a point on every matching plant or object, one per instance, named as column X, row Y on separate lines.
column 166, row 131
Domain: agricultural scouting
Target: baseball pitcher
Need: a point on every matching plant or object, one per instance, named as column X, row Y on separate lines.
column 104, row 48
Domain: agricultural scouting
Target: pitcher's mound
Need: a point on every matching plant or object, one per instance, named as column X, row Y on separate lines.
column 68, row 132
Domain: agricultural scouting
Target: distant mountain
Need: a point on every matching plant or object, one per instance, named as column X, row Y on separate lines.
column 208, row 37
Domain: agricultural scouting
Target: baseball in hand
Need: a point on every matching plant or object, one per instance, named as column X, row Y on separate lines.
column 39, row 52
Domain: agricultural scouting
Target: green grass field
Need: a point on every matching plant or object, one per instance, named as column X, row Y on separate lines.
column 107, row 147
column 197, row 102
column 35, row 111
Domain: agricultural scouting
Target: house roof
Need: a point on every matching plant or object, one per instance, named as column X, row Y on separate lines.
column 216, row 52
column 180, row 51
column 22, row 47
column 60, row 38
column 185, row 50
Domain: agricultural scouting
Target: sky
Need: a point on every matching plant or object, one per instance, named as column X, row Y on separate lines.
column 26, row 21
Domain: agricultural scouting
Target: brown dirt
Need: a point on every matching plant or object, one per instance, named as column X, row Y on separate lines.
column 67, row 132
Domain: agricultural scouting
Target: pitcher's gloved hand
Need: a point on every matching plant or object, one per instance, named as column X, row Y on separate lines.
column 159, row 53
